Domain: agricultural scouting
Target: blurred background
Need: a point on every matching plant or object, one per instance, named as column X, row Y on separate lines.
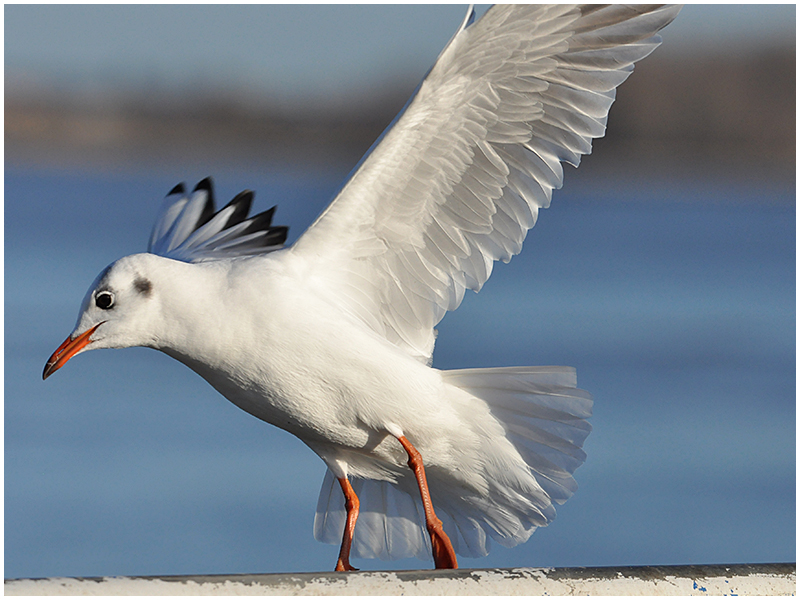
column 664, row 271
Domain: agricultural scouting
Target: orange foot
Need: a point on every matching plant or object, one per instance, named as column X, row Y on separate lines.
column 343, row 565
column 444, row 557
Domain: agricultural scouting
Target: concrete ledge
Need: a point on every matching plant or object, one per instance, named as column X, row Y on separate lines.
column 713, row 580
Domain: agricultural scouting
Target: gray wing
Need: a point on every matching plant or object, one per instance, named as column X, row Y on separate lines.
column 459, row 179
column 188, row 228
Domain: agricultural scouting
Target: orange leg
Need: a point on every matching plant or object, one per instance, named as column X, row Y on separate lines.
column 351, row 504
column 444, row 557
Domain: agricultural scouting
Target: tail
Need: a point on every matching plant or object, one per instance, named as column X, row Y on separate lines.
column 543, row 416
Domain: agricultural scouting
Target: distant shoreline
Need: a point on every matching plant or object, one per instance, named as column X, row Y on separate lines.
column 712, row 115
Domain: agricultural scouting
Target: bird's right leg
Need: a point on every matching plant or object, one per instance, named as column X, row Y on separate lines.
column 444, row 557
column 351, row 504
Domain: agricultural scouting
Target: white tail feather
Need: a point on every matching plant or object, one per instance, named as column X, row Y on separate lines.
column 544, row 417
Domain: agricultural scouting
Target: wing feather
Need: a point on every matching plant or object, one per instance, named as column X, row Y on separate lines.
column 460, row 177
column 189, row 230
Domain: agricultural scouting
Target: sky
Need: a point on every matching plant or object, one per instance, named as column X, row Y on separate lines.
column 294, row 54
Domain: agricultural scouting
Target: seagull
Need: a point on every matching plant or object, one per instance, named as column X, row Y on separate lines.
column 332, row 338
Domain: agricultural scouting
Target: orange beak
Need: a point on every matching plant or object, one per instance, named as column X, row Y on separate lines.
column 66, row 351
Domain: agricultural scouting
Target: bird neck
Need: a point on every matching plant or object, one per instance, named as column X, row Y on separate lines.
column 192, row 312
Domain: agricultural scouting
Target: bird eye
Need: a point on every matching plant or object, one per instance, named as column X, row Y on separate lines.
column 104, row 300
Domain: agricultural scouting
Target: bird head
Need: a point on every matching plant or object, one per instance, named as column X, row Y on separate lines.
column 117, row 311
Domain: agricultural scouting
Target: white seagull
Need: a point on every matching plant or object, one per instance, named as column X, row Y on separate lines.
column 332, row 338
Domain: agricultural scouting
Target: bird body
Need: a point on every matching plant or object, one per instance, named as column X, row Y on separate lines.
column 332, row 338
column 327, row 383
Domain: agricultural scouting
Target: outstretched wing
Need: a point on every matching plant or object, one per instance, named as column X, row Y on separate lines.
column 458, row 180
column 188, row 229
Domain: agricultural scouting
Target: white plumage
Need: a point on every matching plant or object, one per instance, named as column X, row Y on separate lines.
column 332, row 339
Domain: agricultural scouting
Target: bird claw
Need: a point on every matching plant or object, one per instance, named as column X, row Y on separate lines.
column 343, row 565
column 443, row 555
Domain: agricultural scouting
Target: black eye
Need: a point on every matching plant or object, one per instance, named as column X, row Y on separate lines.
column 104, row 300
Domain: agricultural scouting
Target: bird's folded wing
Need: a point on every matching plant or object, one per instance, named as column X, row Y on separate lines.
column 458, row 180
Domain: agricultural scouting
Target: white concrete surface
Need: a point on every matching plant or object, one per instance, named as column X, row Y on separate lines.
column 772, row 580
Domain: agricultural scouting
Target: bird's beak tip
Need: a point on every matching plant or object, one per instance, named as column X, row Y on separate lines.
column 49, row 369
column 67, row 350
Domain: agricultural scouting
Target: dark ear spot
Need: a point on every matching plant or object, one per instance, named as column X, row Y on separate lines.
column 143, row 286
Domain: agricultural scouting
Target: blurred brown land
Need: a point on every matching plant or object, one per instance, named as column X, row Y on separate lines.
column 715, row 115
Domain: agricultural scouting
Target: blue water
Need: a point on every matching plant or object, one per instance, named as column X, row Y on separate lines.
column 675, row 301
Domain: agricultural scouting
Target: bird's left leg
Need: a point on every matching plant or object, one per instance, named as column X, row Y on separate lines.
column 444, row 557
column 351, row 504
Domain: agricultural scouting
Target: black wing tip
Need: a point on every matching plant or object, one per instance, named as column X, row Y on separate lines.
column 206, row 184
column 260, row 222
column 242, row 202
column 243, row 196
column 179, row 189
column 276, row 236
